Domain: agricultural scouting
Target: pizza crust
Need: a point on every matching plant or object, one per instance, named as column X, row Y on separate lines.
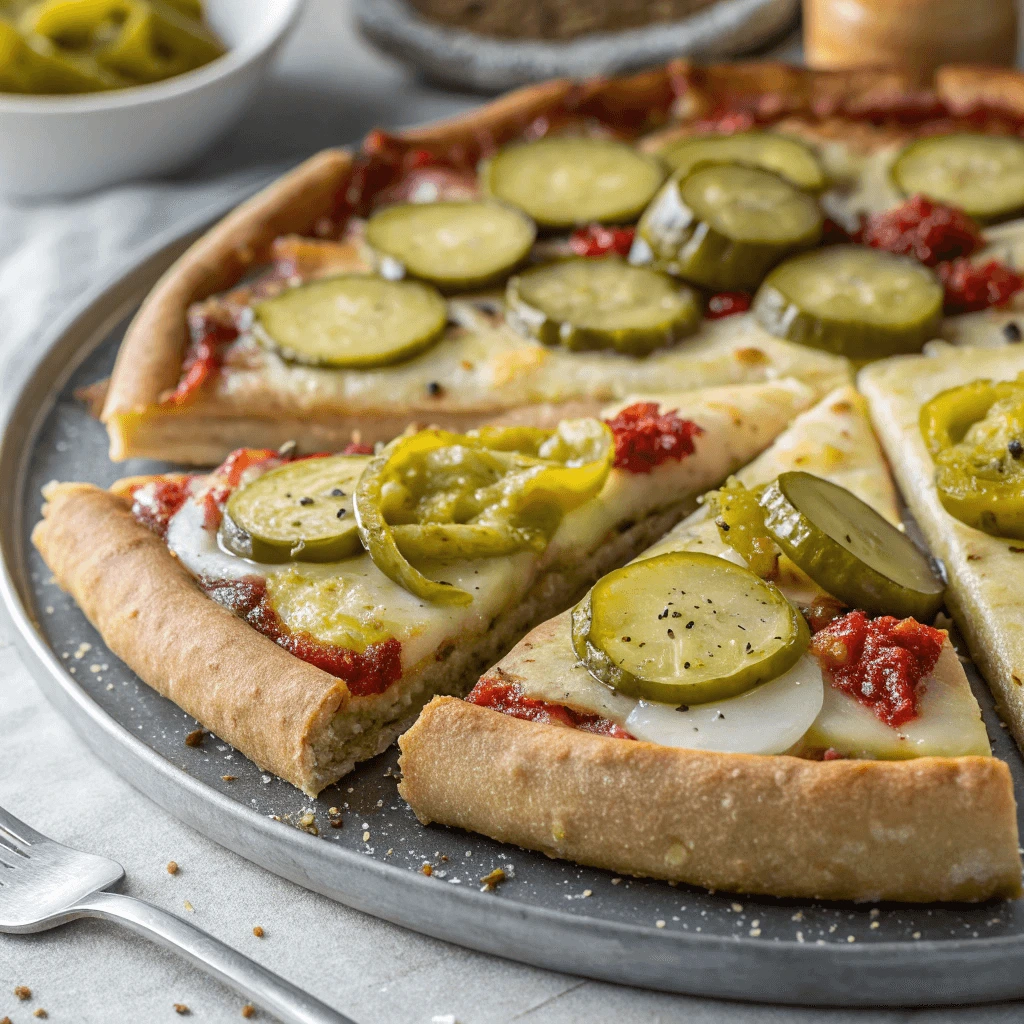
column 914, row 831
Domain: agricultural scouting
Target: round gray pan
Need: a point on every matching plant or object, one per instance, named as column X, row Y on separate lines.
column 549, row 913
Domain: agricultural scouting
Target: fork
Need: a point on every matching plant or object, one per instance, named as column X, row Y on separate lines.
column 44, row 884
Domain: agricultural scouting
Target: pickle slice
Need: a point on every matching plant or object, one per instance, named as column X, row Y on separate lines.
column 981, row 174
column 686, row 628
column 299, row 512
column 602, row 303
column 851, row 300
column 354, row 321
column 725, row 226
column 785, row 156
column 562, row 182
column 848, row 549
column 453, row 245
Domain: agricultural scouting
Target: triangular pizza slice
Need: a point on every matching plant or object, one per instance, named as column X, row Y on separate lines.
column 679, row 722
column 304, row 609
column 952, row 423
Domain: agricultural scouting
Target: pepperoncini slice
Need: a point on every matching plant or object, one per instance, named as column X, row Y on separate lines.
column 975, row 434
column 436, row 495
column 740, row 521
column 93, row 45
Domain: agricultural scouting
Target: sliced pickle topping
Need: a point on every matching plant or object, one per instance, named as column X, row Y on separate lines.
column 725, row 226
column 983, row 175
column 686, row 628
column 355, row 321
column 436, row 496
column 739, row 517
column 562, row 182
column 850, row 550
column 975, row 434
column 602, row 303
column 298, row 512
column 785, row 156
column 453, row 244
column 851, row 300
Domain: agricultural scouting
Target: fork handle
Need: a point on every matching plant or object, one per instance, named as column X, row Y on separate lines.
column 268, row 991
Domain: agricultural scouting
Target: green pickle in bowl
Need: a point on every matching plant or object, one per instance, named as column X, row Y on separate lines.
column 76, row 46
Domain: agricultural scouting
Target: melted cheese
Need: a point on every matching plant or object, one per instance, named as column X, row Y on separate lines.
column 352, row 603
column 835, row 441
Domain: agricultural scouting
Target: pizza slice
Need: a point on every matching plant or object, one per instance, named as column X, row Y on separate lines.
column 730, row 710
column 304, row 608
column 951, row 423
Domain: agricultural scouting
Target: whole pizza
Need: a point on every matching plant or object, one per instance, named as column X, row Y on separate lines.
column 558, row 438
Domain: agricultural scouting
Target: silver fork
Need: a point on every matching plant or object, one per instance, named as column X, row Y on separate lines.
column 44, row 884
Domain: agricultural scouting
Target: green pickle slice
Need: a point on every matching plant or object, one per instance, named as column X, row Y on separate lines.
column 562, row 182
column 354, row 321
column 975, row 434
column 300, row 512
column 981, row 174
column 853, row 301
column 686, row 628
column 602, row 303
column 453, row 244
column 725, row 226
column 850, row 550
column 785, row 156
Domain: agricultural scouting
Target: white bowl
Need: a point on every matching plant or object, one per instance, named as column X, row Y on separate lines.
column 62, row 145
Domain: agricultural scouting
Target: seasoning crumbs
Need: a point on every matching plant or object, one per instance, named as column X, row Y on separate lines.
column 40, row 1013
column 181, row 1009
column 258, row 932
column 172, row 867
column 248, row 1010
column 23, row 992
column 427, row 869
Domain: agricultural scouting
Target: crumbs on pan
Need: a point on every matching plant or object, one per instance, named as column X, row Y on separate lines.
column 248, row 1010
column 172, row 867
column 23, row 992
column 195, row 738
column 258, row 932
column 492, row 880
column 181, row 1009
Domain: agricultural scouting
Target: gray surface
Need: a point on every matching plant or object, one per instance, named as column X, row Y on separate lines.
column 467, row 60
column 708, row 944
column 330, row 89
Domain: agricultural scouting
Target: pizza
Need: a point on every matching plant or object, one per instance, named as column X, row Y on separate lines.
column 304, row 608
column 463, row 389
column 950, row 422
column 569, row 245
column 856, row 766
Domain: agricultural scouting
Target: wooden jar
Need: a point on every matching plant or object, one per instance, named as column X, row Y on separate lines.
column 916, row 35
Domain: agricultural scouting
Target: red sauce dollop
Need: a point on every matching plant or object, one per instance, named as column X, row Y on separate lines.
column 210, row 336
column 645, row 438
column 226, row 477
column 879, row 661
column 357, row 448
column 970, row 288
column 364, row 672
column 597, row 240
column 928, row 231
column 155, row 503
column 507, row 697
column 725, row 304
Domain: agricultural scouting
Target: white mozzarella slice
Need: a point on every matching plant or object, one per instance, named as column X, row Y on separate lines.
column 197, row 548
column 769, row 719
column 948, row 723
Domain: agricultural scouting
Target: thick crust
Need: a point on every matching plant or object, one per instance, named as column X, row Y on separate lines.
column 918, row 831
column 153, row 616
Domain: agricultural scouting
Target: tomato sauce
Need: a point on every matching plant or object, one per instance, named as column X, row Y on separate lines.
column 930, row 232
column 156, row 502
column 879, row 662
column 365, row 673
column 645, row 438
column 508, row 698
column 597, row 240
column 970, row 288
column 724, row 304
column 211, row 335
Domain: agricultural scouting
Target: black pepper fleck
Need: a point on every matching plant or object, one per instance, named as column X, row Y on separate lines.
column 1015, row 448
column 341, row 512
column 305, row 501
column 1011, row 331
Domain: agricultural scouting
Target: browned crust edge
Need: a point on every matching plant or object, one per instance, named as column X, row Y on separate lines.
column 915, row 831
column 241, row 685
column 149, row 362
